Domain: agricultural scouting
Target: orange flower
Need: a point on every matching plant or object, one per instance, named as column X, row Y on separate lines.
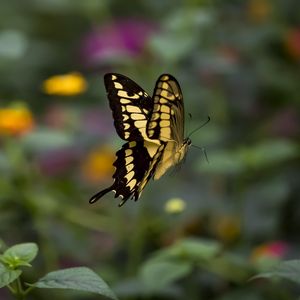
column 292, row 43
column 70, row 84
column 15, row 120
column 98, row 164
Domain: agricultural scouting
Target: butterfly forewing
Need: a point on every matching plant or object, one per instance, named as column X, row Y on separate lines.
column 130, row 105
column 167, row 117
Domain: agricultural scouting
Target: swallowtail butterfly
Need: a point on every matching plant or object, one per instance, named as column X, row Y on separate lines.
column 153, row 128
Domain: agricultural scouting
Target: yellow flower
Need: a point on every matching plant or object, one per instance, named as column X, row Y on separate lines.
column 99, row 164
column 15, row 120
column 227, row 227
column 70, row 84
column 175, row 206
column 259, row 10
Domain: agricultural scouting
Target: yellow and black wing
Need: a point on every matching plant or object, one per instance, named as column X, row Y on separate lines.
column 166, row 122
column 134, row 166
column 130, row 105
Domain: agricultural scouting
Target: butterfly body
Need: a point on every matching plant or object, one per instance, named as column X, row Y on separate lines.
column 153, row 128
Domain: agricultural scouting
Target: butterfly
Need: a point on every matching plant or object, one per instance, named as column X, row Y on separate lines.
column 153, row 128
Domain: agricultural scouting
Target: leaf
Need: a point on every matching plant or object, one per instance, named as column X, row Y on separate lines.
column 157, row 275
column 80, row 278
column 289, row 269
column 190, row 249
column 7, row 275
column 20, row 255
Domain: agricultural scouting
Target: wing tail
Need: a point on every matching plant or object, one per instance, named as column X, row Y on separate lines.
column 100, row 194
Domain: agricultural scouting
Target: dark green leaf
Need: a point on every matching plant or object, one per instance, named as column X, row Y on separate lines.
column 288, row 270
column 80, row 278
column 157, row 274
column 20, row 255
column 7, row 275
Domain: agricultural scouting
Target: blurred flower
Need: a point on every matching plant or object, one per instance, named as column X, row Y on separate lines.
column 15, row 120
column 116, row 40
column 259, row 10
column 227, row 227
column 292, row 43
column 274, row 250
column 98, row 165
column 175, row 206
column 65, row 85
column 58, row 161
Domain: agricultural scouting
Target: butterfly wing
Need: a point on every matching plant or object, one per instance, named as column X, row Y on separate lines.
column 166, row 122
column 130, row 105
column 134, row 165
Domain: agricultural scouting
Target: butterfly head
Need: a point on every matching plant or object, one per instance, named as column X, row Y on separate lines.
column 187, row 141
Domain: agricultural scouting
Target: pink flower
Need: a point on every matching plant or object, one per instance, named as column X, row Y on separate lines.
column 120, row 38
column 275, row 249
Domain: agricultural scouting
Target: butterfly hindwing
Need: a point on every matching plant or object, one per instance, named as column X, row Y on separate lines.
column 130, row 104
column 167, row 117
column 133, row 166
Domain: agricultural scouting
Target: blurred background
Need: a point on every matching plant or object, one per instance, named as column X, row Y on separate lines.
column 199, row 232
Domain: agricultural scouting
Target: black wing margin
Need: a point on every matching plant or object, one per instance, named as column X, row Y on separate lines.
column 132, row 163
column 130, row 105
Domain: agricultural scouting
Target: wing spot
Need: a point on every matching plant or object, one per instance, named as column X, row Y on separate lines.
column 155, row 116
column 140, row 124
column 126, row 135
column 151, row 132
column 164, row 123
column 126, row 126
column 132, row 144
column 129, row 176
column 124, row 101
column 128, row 160
column 165, row 132
column 165, row 109
column 152, row 125
column 129, row 167
column 128, row 152
column 137, row 116
column 123, row 93
column 168, row 95
column 133, row 109
column 113, row 77
column 118, row 85
column 131, row 184
column 165, row 116
column 125, row 117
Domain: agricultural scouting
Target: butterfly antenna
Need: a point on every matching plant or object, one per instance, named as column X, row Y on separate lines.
column 191, row 117
column 203, row 151
column 191, row 133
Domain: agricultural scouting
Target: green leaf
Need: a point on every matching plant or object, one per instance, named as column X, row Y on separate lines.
column 190, row 249
column 80, row 278
column 7, row 275
column 289, row 269
column 20, row 255
column 157, row 275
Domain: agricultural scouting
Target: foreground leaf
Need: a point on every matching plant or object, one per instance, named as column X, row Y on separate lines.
column 81, row 279
column 20, row 255
column 287, row 270
column 7, row 275
column 157, row 275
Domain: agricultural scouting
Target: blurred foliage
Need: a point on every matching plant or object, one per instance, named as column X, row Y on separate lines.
column 198, row 234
